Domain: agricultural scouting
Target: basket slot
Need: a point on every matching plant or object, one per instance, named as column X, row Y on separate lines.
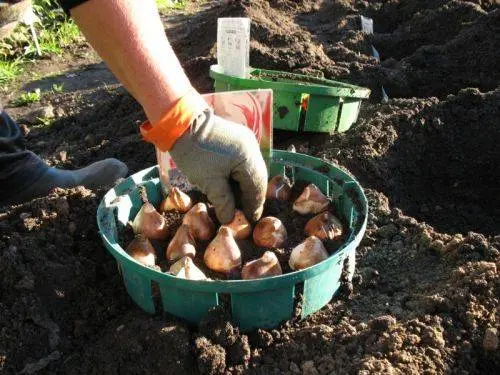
column 286, row 110
column 316, row 178
column 351, row 263
column 107, row 223
column 346, row 208
column 263, row 309
column 349, row 114
column 276, row 169
column 322, row 112
column 139, row 288
column 131, row 204
column 188, row 304
column 320, row 289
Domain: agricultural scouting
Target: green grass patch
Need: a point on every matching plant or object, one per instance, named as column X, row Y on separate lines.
column 171, row 4
column 55, row 32
column 58, row 88
column 28, row 98
column 10, row 70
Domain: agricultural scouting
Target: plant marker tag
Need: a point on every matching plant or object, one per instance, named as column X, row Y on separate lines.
column 29, row 18
column 233, row 46
column 366, row 24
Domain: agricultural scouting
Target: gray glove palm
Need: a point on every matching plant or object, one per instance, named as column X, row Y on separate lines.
column 213, row 151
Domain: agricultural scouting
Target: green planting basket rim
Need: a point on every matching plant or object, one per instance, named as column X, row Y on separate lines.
column 291, row 82
column 106, row 220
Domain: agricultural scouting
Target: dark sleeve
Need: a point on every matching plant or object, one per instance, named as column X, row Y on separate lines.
column 68, row 4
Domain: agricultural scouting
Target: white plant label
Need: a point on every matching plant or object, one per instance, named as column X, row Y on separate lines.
column 366, row 24
column 233, row 46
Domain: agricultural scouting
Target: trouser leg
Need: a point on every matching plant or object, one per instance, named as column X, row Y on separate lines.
column 19, row 167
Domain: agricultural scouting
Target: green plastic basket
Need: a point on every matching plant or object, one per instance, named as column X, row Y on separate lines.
column 301, row 103
column 262, row 303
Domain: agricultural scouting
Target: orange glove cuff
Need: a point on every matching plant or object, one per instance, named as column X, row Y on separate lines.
column 174, row 122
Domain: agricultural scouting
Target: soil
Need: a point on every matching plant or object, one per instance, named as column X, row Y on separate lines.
column 425, row 295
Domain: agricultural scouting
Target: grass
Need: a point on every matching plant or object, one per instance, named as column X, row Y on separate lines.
column 35, row 96
column 10, row 70
column 45, row 122
column 55, row 33
column 58, row 88
column 28, row 98
column 171, row 4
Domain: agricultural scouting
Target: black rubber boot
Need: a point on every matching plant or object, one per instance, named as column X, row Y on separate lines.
column 24, row 176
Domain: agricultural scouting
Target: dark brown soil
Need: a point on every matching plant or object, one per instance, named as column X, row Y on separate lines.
column 425, row 295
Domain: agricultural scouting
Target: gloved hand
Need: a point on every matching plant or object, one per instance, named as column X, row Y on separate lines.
column 210, row 152
column 213, row 150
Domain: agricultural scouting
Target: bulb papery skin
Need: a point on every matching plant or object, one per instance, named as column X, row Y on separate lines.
column 150, row 223
column 240, row 226
column 181, row 245
column 142, row 251
column 278, row 188
column 325, row 226
column 176, row 201
column 307, row 254
column 200, row 224
column 311, row 201
column 269, row 233
column 184, row 268
column 223, row 254
column 266, row 266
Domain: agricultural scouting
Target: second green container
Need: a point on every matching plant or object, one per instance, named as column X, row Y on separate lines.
column 301, row 102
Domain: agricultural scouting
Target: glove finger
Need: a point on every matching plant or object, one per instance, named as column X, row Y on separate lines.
column 219, row 193
column 252, row 178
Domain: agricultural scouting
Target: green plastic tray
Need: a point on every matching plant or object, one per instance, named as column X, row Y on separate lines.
column 331, row 106
column 263, row 303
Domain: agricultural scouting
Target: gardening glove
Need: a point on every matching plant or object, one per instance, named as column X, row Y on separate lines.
column 211, row 152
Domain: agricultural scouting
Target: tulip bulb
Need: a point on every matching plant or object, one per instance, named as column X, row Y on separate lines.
column 184, row 268
column 240, row 226
column 223, row 254
column 142, row 251
column 265, row 266
column 150, row 223
column 201, row 225
column 176, row 201
column 307, row 254
column 311, row 201
column 278, row 188
column 183, row 244
column 324, row 226
column 269, row 232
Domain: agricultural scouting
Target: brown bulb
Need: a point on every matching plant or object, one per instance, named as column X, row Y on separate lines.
column 265, row 266
column 183, row 244
column 324, row 226
column 240, row 226
column 184, row 268
column 176, row 201
column 269, row 232
column 278, row 188
column 311, row 201
column 223, row 254
column 201, row 225
column 142, row 251
column 150, row 223
column 307, row 254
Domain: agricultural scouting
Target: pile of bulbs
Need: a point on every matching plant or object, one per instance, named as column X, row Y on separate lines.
column 222, row 253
